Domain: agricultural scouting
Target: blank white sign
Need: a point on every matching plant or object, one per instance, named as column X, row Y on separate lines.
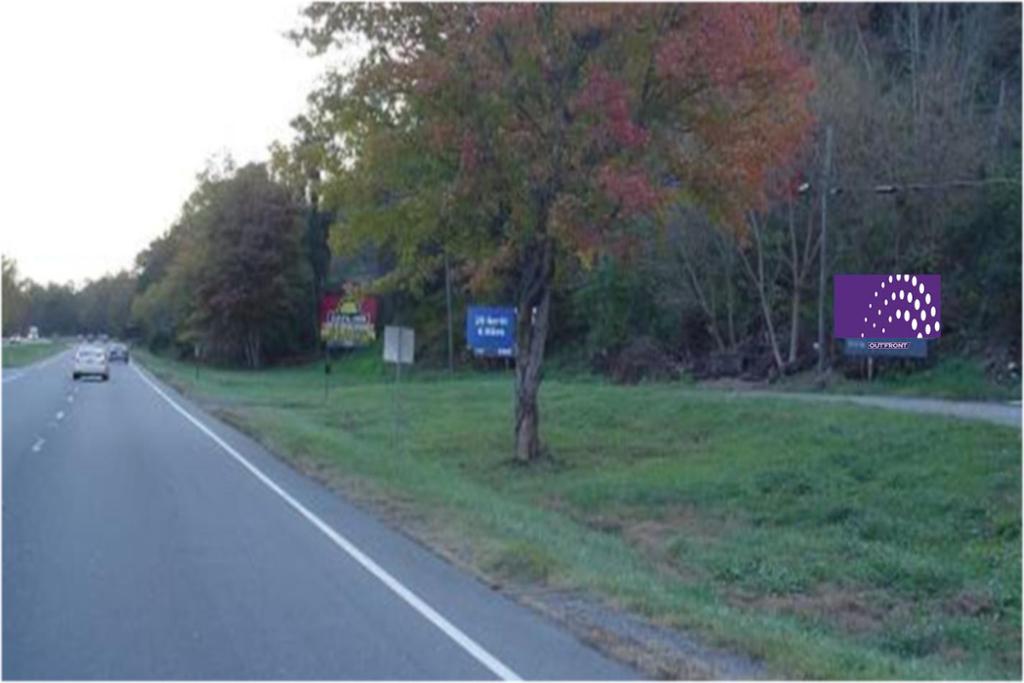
column 399, row 343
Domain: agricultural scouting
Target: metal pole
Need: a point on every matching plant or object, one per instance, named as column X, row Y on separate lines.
column 822, row 275
column 395, row 402
column 448, row 303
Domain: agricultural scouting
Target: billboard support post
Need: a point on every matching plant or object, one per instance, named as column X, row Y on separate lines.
column 327, row 370
column 396, row 406
column 399, row 348
column 195, row 358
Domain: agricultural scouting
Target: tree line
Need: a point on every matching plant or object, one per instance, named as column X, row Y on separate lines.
column 100, row 306
column 651, row 186
column 231, row 279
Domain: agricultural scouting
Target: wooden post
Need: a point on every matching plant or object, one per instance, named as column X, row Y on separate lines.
column 448, row 304
column 327, row 370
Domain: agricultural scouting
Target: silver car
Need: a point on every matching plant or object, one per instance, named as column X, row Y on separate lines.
column 91, row 361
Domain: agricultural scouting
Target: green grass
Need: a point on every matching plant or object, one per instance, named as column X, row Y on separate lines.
column 953, row 378
column 827, row 541
column 18, row 355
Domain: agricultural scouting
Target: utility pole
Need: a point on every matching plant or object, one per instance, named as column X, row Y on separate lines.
column 822, row 277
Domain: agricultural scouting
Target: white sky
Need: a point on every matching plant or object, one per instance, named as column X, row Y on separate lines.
column 109, row 109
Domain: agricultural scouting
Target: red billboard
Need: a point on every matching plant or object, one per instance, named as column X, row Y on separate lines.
column 347, row 321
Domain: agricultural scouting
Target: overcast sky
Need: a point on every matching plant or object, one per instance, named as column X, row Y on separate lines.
column 109, row 109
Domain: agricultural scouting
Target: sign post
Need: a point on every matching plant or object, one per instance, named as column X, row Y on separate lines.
column 399, row 348
column 196, row 350
column 327, row 370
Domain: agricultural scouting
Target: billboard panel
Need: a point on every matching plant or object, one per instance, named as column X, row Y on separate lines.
column 887, row 307
column 491, row 330
column 347, row 322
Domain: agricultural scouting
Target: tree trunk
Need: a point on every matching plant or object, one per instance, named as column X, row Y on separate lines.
column 823, row 247
column 252, row 349
column 758, row 279
column 794, row 315
column 773, row 341
column 533, row 313
column 708, row 307
column 794, row 325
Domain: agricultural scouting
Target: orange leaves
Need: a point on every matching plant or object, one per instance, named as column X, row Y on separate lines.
column 747, row 108
column 565, row 119
column 727, row 43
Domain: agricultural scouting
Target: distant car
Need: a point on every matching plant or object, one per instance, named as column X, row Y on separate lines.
column 117, row 351
column 91, row 361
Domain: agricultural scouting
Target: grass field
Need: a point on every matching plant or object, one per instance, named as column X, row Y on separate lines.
column 17, row 355
column 952, row 378
column 825, row 541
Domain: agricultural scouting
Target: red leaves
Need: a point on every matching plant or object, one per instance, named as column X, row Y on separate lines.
column 630, row 189
column 608, row 97
column 607, row 100
column 530, row 102
column 726, row 43
column 747, row 89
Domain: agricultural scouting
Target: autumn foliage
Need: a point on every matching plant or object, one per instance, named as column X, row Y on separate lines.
column 522, row 135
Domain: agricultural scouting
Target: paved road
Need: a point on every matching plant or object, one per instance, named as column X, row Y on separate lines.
column 142, row 539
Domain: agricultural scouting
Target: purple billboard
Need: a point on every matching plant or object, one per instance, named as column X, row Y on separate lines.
column 896, row 306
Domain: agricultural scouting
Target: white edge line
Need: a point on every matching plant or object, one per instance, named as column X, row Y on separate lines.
column 429, row 613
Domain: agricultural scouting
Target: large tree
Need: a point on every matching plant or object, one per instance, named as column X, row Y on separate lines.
column 247, row 268
column 54, row 308
column 104, row 305
column 519, row 136
column 15, row 300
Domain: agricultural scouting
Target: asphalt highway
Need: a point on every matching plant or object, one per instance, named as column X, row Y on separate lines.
column 143, row 539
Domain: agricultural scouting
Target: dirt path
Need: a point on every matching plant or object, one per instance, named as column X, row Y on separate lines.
column 1007, row 414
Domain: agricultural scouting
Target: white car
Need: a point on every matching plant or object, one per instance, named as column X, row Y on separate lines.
column 91, row 361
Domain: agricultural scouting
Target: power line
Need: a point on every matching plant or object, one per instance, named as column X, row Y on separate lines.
column 895, row 188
